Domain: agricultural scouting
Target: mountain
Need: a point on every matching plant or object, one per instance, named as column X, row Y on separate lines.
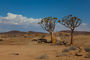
column 33, row 32
column 75, row 32
column 21, row 32
column 13, row 32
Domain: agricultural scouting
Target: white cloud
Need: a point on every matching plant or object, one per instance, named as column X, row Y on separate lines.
column 11, row 16
column 20, row 22
column 18, row 19
column 83, row 24
column 60, row 27
column 83, row 27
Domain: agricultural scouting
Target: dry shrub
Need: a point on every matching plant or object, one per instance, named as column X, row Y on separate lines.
column 73, row 48
column 87, row 49
column 44, row 56
column 65, row 50
column 88, row 55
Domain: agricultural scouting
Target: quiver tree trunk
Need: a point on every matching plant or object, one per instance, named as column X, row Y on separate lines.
column 72, row 31
column 52, row 37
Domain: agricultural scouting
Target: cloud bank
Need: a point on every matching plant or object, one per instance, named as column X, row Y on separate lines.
column 22, row 23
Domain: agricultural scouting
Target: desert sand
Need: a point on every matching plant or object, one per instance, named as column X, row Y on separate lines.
column 17, row 48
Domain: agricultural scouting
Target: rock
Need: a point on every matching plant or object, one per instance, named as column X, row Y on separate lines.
column 78, row 54
column 15, row 54
column 42, row 40
column 1, row 39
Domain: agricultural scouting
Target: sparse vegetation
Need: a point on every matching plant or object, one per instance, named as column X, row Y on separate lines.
column 71, row 23
column 63, row 43
column 39, row 30
column 73, row 48
column 87, row 49
column 35, row 50
column 88, row 55
column 65, row 50
column 44, row 56
column 48, row 24
column 60, row 55
column 69, row 49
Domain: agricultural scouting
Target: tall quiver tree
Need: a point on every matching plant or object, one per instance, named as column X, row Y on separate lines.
column 48, row 24
column 71, row 23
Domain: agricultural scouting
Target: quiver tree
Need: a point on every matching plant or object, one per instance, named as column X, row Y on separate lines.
column 71, row 23
column 48, row 24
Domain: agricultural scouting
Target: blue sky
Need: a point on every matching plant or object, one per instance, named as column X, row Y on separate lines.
column 37, row 9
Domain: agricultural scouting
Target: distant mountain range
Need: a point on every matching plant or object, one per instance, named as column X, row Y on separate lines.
column 76, row 32
column 13, row 32
column 21, row 32
column 33, row 32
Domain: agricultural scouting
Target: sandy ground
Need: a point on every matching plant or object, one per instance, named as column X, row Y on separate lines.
column 25, row 49
column 33, row 52
column 26, row 52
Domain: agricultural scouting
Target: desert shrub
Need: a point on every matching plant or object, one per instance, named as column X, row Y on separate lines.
column 43, row 56
column 87, row 49
column 65, row 50
column 34, row 40
column 62, row 43
column 73, row 48
column 59, row 55
column 88, row 55
column 69, row 49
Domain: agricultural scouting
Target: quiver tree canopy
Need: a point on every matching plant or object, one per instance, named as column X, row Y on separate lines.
column 48, row 23
column 71, row 22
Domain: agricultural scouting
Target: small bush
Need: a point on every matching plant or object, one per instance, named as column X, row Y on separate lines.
column 73, row 48
column 65, row 50
column 43, row 56
column 63, row 43
column 88, row 55
column 59, row 55
column 87, row 49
